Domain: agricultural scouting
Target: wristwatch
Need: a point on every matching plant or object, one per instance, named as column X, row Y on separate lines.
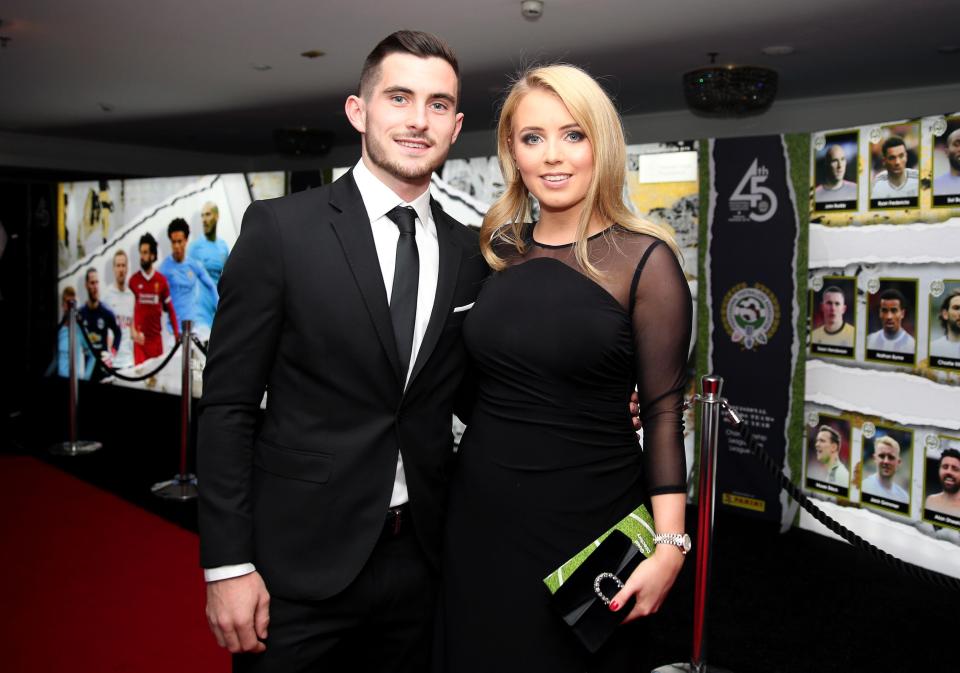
column 681, row 540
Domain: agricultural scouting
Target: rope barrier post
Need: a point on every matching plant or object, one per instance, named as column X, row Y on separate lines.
column 710, row 404
column 183, row 486
column 74, row 447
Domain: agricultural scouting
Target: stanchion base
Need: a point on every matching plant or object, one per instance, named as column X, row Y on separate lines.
column 75, row 448
column 688, row 668
column 182, row 487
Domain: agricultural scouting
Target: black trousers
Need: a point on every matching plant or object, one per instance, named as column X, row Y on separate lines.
column 382, row 623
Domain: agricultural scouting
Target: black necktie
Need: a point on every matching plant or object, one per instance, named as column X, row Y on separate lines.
column 406, row 279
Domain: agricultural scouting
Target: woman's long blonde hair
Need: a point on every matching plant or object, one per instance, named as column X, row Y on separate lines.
column 592, row 109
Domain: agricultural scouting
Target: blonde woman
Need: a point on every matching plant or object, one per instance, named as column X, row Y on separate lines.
column 585, row 303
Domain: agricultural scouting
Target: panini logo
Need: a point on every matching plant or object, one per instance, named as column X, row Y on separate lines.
column 743, row 502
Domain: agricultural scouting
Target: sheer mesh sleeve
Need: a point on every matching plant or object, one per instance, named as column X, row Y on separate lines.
column 661, row 314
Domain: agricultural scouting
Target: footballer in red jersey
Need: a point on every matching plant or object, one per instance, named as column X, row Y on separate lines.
column 152, row 295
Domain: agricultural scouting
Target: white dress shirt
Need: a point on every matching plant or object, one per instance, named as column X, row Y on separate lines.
column 378, row 199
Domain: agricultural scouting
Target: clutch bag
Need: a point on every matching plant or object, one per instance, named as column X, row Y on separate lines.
column 581, row 588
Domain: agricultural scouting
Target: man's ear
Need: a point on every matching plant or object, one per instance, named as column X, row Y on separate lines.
column 356, row 110
column 457, row 126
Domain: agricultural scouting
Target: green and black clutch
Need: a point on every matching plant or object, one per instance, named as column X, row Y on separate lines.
column 581, row 589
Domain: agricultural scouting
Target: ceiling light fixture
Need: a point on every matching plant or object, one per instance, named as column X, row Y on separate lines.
column 261, row 67
column 531, row 9
column 730, row 90
column 313, row 53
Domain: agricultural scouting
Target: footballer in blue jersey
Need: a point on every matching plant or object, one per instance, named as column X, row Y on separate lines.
column 211, row 254
column 188, row 280
column 84, row 357
column 210, row 251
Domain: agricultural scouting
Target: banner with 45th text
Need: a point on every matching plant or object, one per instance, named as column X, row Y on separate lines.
column 751, row 274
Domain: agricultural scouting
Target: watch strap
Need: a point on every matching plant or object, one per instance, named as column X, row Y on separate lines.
column 679, row 540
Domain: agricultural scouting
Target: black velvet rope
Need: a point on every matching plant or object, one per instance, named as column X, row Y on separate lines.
column 113, row 372
column 938, row 579
column 199, row 345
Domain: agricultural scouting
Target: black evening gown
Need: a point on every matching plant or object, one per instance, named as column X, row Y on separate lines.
column 550, row 459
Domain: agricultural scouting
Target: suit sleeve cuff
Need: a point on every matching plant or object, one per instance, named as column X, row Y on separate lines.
column 227, row 572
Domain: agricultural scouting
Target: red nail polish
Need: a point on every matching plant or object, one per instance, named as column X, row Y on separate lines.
column 614, row 606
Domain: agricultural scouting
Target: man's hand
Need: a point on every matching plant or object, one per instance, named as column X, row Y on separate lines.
column 238, row 611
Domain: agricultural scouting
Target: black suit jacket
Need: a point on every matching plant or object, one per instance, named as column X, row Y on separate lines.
column 303, row 313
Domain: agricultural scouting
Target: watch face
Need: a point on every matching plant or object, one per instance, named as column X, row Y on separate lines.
column 687, row 543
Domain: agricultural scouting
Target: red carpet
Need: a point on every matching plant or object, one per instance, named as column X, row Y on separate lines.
column 92, row 583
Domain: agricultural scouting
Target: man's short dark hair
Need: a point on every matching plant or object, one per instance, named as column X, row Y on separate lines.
column 948, row 453
column 834, row 435
column 945, row 306
column 413, row 42
column 892, row 141
column 86, row 276
column 178, row 224
column 893, row 293
column 834, row 290
column 149, row 240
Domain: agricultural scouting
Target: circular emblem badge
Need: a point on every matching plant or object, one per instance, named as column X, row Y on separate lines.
column 939, row 126
column 873, row 285
column 936, row 288
column 817, row 283
column 813, row 419
column 751, row 314
column 819, row 142
column 868, row 430
column 876, row 135
column 932, row 442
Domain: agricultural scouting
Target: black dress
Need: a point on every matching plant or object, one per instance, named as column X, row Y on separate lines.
column 550, row 459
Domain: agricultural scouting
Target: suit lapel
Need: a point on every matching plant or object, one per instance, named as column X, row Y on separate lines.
column 352, row 227
column 446, row 282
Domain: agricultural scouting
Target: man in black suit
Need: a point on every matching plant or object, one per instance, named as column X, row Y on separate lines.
column 344, row 304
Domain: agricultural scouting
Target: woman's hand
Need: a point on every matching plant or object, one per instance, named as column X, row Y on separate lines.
column 650, row 582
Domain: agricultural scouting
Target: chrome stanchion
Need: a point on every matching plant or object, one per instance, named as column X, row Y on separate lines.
column 74, row 447
column 184, row 485
column 710, row 406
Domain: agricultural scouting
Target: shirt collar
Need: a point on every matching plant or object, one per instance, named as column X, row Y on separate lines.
column 378, row 199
